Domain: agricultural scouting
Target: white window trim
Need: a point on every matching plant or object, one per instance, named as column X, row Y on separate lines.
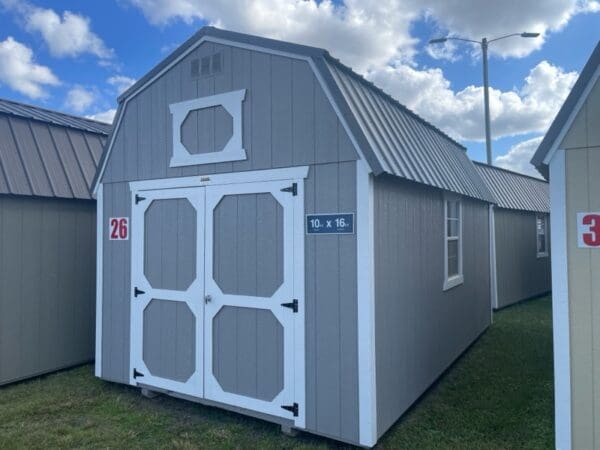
column 455, row 280
column 545, row 218
column 233, row 150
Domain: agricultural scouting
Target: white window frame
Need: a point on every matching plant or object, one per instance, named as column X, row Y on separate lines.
column 233, row 150
column 454, row 280
column 544, row 217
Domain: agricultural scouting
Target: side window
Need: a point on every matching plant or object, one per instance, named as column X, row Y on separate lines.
column 541, row 230
column 453, row 253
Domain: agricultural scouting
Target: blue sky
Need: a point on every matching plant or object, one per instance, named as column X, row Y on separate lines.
column 76, row 56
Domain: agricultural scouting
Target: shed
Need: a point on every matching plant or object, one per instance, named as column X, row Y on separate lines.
column 569, row 156
column 47, row 239
column 303, row 248
column 521, row 235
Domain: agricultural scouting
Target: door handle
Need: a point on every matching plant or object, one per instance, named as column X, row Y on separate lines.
column 207, row 298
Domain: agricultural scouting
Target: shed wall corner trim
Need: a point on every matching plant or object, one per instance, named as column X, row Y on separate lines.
column 367, row 392
column 560, row 302
column 99, row 268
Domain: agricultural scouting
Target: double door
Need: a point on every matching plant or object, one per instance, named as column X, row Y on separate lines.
column 214, row 310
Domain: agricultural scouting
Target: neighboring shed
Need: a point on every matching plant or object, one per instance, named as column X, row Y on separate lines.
column 47, row 239
column 569, row 156
column 339, row 241
column 522, row 237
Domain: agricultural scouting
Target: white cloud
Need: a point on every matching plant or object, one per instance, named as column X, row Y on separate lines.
column 20, row 72
column 80, row 99
column 66, row 35
column 104, row 116
column 519, row 156
column 120, row 82
column 460, row 114
column 362, row 33
column 368, row 33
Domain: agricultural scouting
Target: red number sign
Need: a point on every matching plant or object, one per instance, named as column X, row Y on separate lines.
column 588, row 230
column 118, row 228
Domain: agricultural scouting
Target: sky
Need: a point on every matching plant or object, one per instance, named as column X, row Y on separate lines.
column 77, row 57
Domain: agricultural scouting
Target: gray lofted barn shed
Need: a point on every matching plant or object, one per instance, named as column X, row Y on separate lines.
column 521, row 229
column 47, row 239
column 302, row 247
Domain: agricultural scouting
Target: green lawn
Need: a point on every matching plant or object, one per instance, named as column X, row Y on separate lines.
column 498, row 395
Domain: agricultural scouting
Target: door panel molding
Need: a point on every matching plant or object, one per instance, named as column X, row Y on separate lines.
column 192, row 296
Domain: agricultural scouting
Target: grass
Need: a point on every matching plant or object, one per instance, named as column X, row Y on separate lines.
column 497, row 396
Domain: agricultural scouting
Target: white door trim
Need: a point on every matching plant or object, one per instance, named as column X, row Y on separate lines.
column 560, row 301
column 251, row 176
column 192, row 296
column 293, row 323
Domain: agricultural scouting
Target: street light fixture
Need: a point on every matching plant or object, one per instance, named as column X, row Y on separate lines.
column 486, row 96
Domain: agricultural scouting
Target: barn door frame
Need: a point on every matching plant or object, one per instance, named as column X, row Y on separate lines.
column 292, row 175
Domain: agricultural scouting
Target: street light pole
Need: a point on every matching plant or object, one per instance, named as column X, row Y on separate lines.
column 486, row 88
column 486, row 101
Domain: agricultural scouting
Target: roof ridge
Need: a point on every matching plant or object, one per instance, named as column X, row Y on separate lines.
column 54, row 111
column 379, row 90
column 512, row 172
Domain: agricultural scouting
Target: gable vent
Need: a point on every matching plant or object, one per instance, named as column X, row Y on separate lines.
column 207, row 65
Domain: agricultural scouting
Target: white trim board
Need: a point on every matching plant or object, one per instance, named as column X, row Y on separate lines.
column 493, row 268
column 99, row 269
column 232, row 43
column 567, row 125
column 251, row 176
column 560, row 302
column 365, row 243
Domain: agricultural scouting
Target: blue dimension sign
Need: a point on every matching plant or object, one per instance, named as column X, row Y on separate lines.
column 330, row 223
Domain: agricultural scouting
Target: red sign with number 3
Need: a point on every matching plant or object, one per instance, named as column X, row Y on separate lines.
column 588, row 229
column 118, row 229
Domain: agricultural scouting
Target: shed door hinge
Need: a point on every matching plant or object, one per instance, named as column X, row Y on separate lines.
column 137, row 374
column 293, row 189
column 291, row 408
column 293, row 305
column 137, row 292
column 139, row 198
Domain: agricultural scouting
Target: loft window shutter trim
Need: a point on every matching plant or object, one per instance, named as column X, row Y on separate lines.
column 233, row 150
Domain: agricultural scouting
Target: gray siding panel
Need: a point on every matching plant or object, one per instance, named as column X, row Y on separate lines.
column 520, row 273
column 47, row 285
column 420, row 329
column 116, row 280
column 331, row 308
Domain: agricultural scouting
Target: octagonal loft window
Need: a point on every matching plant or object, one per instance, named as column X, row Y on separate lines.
column 208, row 130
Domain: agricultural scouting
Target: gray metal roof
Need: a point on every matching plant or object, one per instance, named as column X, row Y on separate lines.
column 565, row 111
column 405, row 144
column 393, row 139
column 514, row 190
column 44, row 158
column 55, row 117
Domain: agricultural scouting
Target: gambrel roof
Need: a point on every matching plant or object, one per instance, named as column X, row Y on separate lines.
column 47, row 153
column 391, row 138
column 514, row 190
